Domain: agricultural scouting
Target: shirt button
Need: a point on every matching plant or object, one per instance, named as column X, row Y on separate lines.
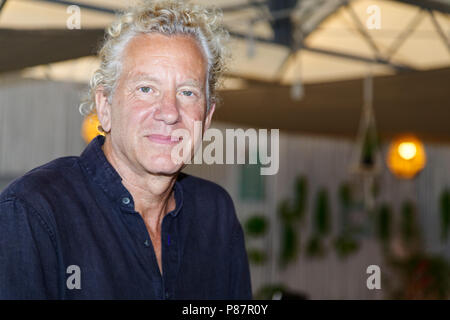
column 147, row 243
column 125, row 200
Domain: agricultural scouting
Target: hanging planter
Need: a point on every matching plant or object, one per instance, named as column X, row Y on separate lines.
column 366, row 155
column 366, row 158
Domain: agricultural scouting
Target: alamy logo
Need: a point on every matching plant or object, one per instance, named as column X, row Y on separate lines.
column 374, row 20
column 374, row 280
column 74, row 20
column 74, row 280
column 260, row 146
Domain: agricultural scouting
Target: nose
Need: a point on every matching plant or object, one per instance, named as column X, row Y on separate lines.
column 168, row 110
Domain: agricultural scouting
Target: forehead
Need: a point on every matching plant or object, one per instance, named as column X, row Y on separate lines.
column 181, row 53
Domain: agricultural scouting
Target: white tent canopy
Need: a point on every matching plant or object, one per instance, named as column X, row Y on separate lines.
column 331, row 40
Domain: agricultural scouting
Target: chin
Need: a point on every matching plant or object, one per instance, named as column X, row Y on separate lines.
column 162, row 166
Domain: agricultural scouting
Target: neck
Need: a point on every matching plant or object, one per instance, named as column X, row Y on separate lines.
column 152, row 193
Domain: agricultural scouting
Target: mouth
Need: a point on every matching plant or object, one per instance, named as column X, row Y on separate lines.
column 163, row 139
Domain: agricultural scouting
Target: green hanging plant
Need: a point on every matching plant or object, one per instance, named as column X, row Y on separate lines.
column 367, row 154
column 289, row 246
column 285, row 212
column 300, row 197
column 370, row 144
column 256, row 256
column 321, row 225
column 346, row 203
column 291, row 212
column 345, row 245
column 383, row 224
column 445, row 214
column 314, row 247
column 256, row 225
column 345, row 196
column 322, row 214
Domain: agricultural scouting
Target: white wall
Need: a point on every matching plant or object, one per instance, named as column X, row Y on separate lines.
column 39, row 121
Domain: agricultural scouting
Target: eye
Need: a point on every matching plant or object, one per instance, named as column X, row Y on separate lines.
column 145, row 89
column 187, row 93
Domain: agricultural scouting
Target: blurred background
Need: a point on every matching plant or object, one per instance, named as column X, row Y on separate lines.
column 360, row 91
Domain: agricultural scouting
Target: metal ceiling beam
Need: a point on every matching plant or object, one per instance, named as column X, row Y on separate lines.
column 439, row 30
column 232, row 8
column 314, row 13
column 440, row 6
column 361, row 29
column 250, row 4
column 285, row 63
column 344, row 55
column 351, row 56
column 405, row 34
column 334, row 53
column 2, row 4
column 81, row 5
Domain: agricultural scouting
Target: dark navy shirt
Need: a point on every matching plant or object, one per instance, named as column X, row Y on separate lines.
column 69, row 230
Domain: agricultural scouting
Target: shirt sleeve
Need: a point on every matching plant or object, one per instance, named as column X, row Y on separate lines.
column 28, row 260
column 240, row 273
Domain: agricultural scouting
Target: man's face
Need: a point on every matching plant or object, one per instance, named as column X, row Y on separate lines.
column 162, row 88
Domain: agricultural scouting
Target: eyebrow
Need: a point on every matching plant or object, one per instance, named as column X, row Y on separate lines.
column 143, row 76
column 192, row 83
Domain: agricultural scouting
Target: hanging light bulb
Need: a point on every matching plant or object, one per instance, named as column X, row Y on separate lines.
column 406, row 156
column 297, row 91
column 251, row 42
column 407, row 150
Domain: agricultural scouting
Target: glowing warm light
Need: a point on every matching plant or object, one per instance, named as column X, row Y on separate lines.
column 406, row 157
column 89, row 128
column 407, row 150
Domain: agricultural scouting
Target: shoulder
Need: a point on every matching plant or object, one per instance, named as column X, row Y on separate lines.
column 26, row 204
column 41, row 182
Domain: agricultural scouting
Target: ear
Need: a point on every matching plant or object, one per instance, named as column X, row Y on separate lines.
column 209, row 116
column 103, row 109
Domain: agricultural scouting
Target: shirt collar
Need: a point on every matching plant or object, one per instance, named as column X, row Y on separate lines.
column 99, row 170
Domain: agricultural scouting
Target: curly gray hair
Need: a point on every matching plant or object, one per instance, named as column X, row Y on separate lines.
column 168, row 18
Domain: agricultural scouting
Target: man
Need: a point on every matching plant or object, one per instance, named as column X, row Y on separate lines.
column 121, row 221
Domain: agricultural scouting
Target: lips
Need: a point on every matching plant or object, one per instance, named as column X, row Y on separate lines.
column 163, row 139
